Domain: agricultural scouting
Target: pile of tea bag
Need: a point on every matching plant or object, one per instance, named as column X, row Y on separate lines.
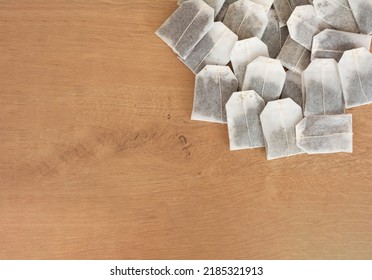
column 279, row 73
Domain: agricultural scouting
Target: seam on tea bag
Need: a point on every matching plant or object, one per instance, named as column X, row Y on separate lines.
column 241, row 24
column 246, row 121
column 298, row 61
column 323, row 97
column 184, row 32
column 213, row 48
column 315, row 50
column 282, row 123
column 305, row 22
column 219, row 87
column 268, row 64
column 321, row 136
column 342, row 5
column 357, row 70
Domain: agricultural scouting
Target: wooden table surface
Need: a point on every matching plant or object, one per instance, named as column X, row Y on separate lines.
column 99, row 158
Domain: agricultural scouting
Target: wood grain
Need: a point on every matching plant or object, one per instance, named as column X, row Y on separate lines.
column 99, row 158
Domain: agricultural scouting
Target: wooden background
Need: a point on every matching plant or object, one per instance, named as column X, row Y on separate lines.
column 99, row 158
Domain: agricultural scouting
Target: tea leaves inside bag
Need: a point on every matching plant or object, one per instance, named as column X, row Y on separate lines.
column 325, row 134
column 332, row 43
column 294, row 56
column 243, row 53
column 213, row 87
column 322, row 88
column 266, row 76
column 275, row 35
column 215, row 4
column 362, row 12
column 337, row 13
column 213, row 49
column 293, row 88
column 278, row 121
column 243, row 119
column 355, row 68
column 284, row 8
column 183, row 30
column 246, row 19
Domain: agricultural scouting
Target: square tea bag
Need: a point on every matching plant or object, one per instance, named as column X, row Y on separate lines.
column 279, row 119
column 275, row 35
column 325, row 134
column 322, row 91
column 336, row 13
column 213, row 49
column 183, row 30
column 243, row 119
column 355, row 68
column 362, row 10
column 332, row 43
column 243, row 53
column 294, row 56
column 293, row 88
column 213, row 87
column 266, row 76
column 304, row 24
column 246, row 19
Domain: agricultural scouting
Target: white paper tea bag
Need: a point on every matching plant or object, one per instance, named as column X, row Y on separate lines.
column 243, row 119
column 322, row 91
column 304, row 24
column 183, row 30
column 332, row 43
column 325, row 134
column 221, row 15
column 337, row 13
column 355, row 68
column 266, row 76
column 293, row 88
column 279, row 119
column 213, row 87
column 265, row 3
column 215, row 4
column 294, row 56
column 362, row 10
column 213, row 49
column 243, row 53
column 275, row 35
column 284, row 8
column 246, row 19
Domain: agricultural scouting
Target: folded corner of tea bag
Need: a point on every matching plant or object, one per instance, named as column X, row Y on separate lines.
column 243, row 120
column 325, row 134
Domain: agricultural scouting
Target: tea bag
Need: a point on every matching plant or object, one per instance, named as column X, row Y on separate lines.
column 284, row 8
column 278, row 120
column 243, row 120
column 221, row 15
column 215, row 4
column 265, row 3
column 187, row 26
column 332, row 43
column 294, row 56
column 293, row 88
column 274, row 36
column 246, row 19
column 355, row 68
column 322, row 88
column 325, row 134
column 213, row 87
column 266, row 76
column 213, row 49
column 362, row 10
column 243, row 53
column 336, row 13
column 304, row 24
